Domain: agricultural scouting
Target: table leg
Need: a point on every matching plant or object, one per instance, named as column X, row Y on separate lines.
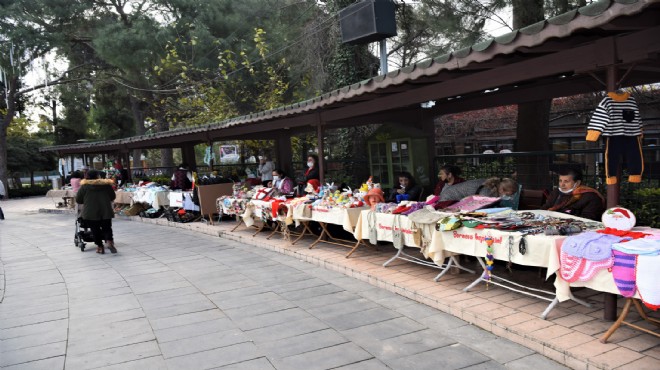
column 303, row 232
column 618, row 322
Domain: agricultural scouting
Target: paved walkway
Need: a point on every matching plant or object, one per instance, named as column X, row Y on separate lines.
column 179, row 299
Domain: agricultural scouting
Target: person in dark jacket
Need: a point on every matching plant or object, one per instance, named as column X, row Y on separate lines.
column 182, row 178
column 407, row 189
column 96, row 196
column 312, row 171
column 573, row 198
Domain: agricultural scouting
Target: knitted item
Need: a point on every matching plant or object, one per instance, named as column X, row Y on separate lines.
column 590, row 245
column 570, row 266
column 413, row 208
column 623, row 272
column 591, row 268
column 644, row 246
column 623, row 233
column 647, row 280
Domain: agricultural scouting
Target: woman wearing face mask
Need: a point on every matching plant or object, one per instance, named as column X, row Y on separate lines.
column 573, row 198
column 281, row 183
column 312, row 168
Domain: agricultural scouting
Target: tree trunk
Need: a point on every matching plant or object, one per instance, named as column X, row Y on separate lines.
column 526, row 12
column 138, row 117
column 4, row 125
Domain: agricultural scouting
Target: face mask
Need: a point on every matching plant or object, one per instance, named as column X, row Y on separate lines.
column 506, row 197
column 310, row 164
column 569, row 190
column 276, row 178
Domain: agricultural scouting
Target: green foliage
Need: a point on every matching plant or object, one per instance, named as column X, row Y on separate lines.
column 30, row 191
column 24, row 156
column 646, row 207
column 162, row 180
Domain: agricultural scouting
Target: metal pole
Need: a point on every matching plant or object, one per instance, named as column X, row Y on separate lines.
column 319, row 143
column 609, row 302
column 383, row 56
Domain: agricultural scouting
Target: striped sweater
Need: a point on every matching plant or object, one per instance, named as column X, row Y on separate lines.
column 616, row 115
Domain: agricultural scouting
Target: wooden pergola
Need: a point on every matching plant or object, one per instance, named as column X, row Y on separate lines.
column 603, row 46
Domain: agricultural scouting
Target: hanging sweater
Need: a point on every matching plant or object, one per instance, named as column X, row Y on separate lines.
column 616, row 115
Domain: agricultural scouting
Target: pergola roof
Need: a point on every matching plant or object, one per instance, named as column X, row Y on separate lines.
column 560, row 56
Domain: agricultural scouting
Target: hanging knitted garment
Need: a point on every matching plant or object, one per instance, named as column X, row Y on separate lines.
column 647, row 280
column 623, row 272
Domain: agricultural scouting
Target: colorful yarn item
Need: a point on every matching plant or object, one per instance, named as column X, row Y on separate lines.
column 489, row 259
column 623, row 272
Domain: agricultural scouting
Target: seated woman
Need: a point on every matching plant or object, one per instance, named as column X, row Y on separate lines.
column 448, row 176
column 281, row 183
column 492, row 187
column 573, row 198
column 407, row 190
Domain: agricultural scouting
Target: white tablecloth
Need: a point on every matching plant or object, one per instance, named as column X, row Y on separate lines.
column 156, row 198
column 346, row 217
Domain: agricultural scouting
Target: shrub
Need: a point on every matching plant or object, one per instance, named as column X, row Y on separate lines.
column 36, row 190
column 647, row 207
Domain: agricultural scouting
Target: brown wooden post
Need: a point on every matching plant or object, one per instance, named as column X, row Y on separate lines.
column 319, row 144
column 188, row 154
column 609, row 309
column 284, row 153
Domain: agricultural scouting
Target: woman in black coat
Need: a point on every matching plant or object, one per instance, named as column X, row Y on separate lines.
column 96, row 195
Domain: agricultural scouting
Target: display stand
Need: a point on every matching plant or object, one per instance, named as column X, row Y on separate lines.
column 520, row 288
column 305, row 231
column 326, row 237
column 621, row 320
column 452, row 262
column 208, row 195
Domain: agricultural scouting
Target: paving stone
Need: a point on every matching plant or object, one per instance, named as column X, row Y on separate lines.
column 403, row 345
column 361, row 318
column 456, row 356
column 386, row 329
column 187, row 318
column 311, row 293
column 30, row 354
column 150, row 363
column 45, row 364
column 299, row 344
column 215, row 357
column 271, row 318
column 194, row 329
column 371, row 364
column 342, row 308
column 34, row 319
column 499, row 349
column 112, row 356
column 325, row 358
column 260, row 363
column 288, row 329
column 535, row 361
column 201, row 343
column 260, row 309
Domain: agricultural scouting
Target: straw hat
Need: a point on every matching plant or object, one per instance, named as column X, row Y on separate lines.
column 374, row 196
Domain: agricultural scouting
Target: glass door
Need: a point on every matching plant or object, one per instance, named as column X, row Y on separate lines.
column 379, row 163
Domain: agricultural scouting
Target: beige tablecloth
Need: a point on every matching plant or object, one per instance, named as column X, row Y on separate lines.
column 346, row 217
column 124, row 197
column 61, row 194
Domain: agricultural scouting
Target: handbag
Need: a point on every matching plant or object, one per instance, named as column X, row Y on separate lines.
column 397, row 233
column 373, row 231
